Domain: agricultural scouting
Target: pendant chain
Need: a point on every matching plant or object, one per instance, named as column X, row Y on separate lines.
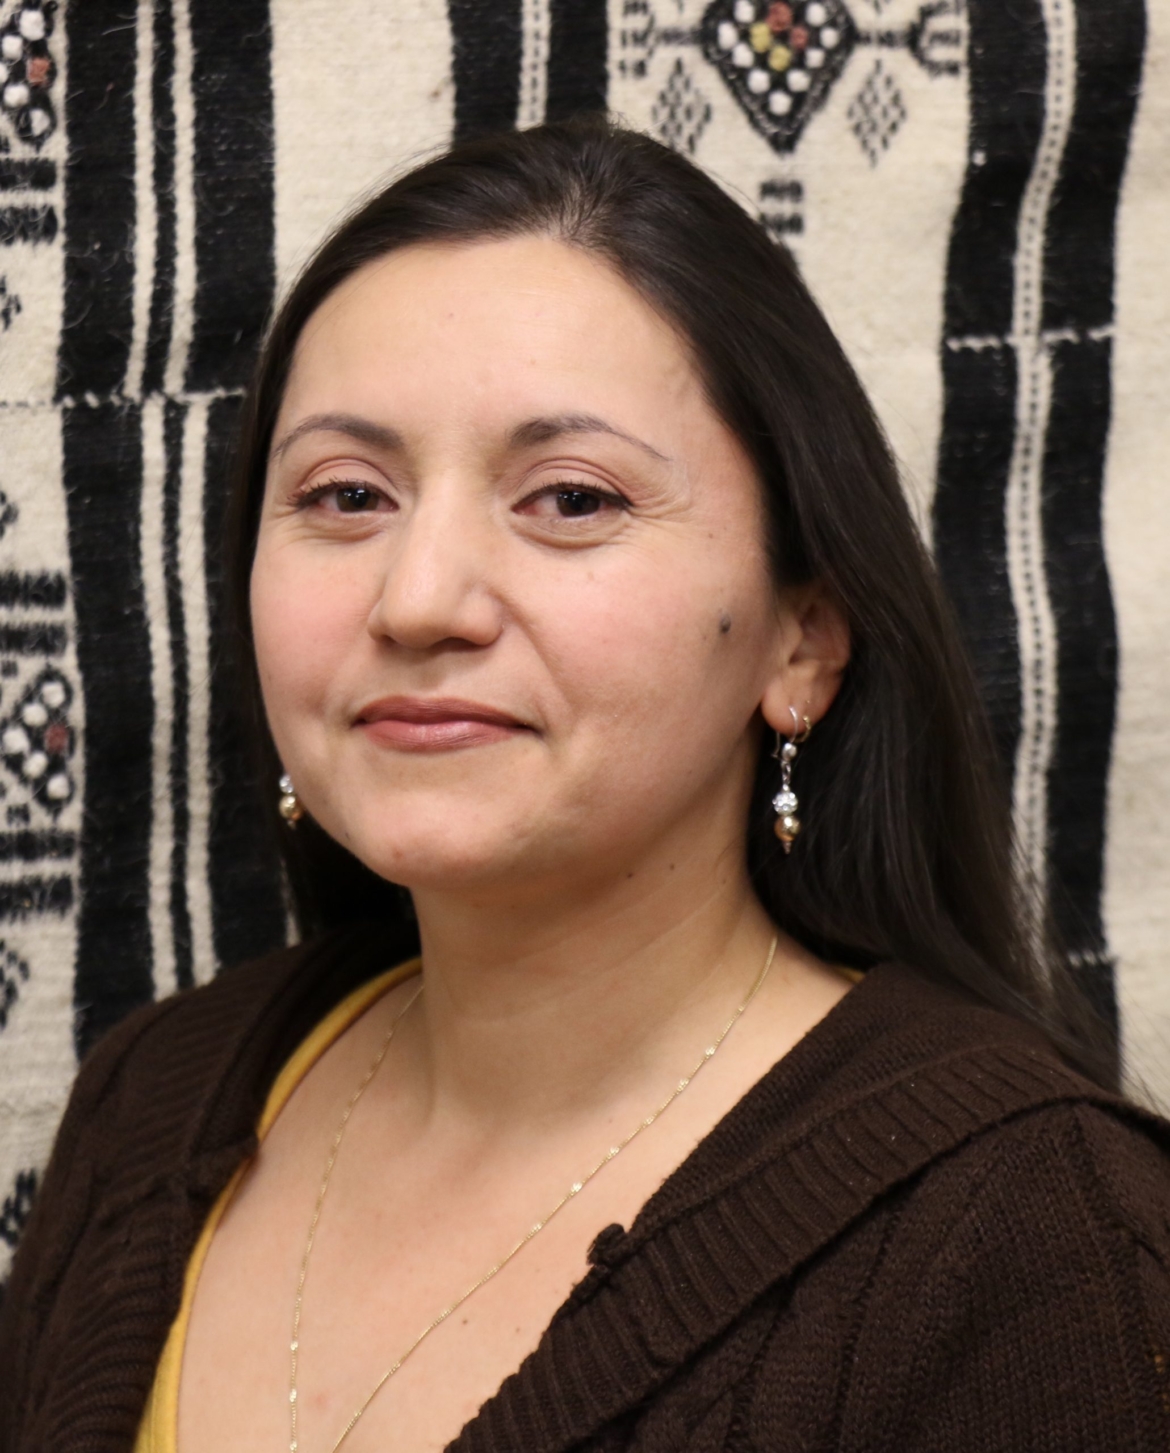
column 574, row 1190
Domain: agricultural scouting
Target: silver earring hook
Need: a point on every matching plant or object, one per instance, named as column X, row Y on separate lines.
column 800, row 735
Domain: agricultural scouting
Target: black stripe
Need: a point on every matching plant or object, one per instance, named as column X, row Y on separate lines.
column 102, row 456
column 1006, row 56
column 162, row 300
column 1078, row 296
column 37, row 640
column 174, row 419
column 577, row 58
column 486, row 47
column 1078, row 279
column 1086, row 656
column 98, row 322
column 970, row 530
column 29, row 847
column 28, row 896
column 234, row 198
column 246, row 898
column 27, row 224
column 47, row 588
column 37, row 174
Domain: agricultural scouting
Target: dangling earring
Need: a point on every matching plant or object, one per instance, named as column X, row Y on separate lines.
column 290, row 804
column 787, row 825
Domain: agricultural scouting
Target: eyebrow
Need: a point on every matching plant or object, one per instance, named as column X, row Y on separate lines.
column 533, row 431
column 557, row 426
column 365, row 431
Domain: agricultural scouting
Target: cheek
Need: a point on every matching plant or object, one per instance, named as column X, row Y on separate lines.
column 666, row 664
column 306, row 617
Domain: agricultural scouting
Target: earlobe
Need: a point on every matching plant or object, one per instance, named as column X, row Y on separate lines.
column 813, row 651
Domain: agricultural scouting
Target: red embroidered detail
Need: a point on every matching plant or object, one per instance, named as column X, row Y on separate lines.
column 57, row 738
column 779, row 17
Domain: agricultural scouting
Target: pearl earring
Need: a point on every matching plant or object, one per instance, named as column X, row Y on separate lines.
column 787, row 825
column 290, row 804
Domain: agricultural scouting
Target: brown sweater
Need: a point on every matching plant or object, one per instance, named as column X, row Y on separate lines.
column 919, row 1231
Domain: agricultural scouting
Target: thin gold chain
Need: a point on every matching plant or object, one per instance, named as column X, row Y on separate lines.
column 574, row 1190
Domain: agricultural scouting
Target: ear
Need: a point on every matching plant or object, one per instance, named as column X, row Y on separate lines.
column 812, row 651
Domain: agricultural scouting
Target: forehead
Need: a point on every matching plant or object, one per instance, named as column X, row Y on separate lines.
column 513, row 323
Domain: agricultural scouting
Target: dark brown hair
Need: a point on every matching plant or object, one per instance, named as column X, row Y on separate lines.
column 906, row 851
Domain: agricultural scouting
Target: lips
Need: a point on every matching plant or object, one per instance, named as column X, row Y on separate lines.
column 435, row 724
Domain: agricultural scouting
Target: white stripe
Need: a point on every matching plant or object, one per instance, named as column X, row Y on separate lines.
column 154, row 470
column 533, row 64
column 146, row 220
column 1025, row 542
column 184, row 297
column 192, row 573
column 1136, row 518
column 192, row 553
column 979, row 342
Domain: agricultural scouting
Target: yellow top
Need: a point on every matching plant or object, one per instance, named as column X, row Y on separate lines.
column 159, row 1430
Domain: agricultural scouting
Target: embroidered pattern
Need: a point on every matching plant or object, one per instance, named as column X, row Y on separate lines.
column 876, row 113
column 782, row 207
column 36, row 743
column 27, row 71
column 13, row 973
column 681, row 113
column 17, row 1205
column 779, row 60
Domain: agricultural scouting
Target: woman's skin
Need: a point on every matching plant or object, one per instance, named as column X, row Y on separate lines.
column 496, row 479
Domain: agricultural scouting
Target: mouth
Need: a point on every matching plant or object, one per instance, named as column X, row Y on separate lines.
column 435, row 724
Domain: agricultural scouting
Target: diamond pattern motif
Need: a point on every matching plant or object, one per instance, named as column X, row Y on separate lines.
column 681, row 112
column 780, row 60
column 876, row 113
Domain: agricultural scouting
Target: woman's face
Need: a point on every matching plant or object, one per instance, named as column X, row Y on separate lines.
column 511, row 603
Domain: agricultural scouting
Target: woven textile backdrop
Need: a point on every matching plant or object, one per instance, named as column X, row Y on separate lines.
column 979, row 194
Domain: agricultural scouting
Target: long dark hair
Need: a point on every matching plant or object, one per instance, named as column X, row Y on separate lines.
column 906, row 850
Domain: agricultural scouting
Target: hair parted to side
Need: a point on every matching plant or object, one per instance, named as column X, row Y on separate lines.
column 906, row 852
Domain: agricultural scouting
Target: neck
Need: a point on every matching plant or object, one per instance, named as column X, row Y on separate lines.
column 563, row 1006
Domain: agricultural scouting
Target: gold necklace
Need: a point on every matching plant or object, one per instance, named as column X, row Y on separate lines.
column 574, row 1190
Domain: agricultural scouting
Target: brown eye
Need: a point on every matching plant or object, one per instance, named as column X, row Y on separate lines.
column 353, row 499
column 572, row 500
column 575, row 502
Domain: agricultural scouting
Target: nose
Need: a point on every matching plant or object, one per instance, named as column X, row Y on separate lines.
column 437, row 586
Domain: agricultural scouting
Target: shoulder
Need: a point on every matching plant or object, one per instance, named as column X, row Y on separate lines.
column 185, row 1078
column 1028, row 1274
column 172, row 1094
column 1057, row 1179
column 246, row 1021
column 1028, row 1169
column 181, row 1037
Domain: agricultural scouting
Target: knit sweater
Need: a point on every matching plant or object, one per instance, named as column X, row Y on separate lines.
column 919, row 1231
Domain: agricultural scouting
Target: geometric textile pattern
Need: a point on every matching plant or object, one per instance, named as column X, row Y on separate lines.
column 977, row 193
column 681, row 113
column 876, row 112
column 779, row 61
column 27, row 71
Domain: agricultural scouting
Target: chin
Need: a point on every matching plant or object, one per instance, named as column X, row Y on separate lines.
column 446, row 849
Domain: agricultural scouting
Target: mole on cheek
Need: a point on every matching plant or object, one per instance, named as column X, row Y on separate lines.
column 724, row 624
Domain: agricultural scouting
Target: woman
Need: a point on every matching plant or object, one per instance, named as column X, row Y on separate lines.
column 584, row 606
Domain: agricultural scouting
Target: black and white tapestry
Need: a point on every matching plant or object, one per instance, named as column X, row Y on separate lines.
column 979, row 195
